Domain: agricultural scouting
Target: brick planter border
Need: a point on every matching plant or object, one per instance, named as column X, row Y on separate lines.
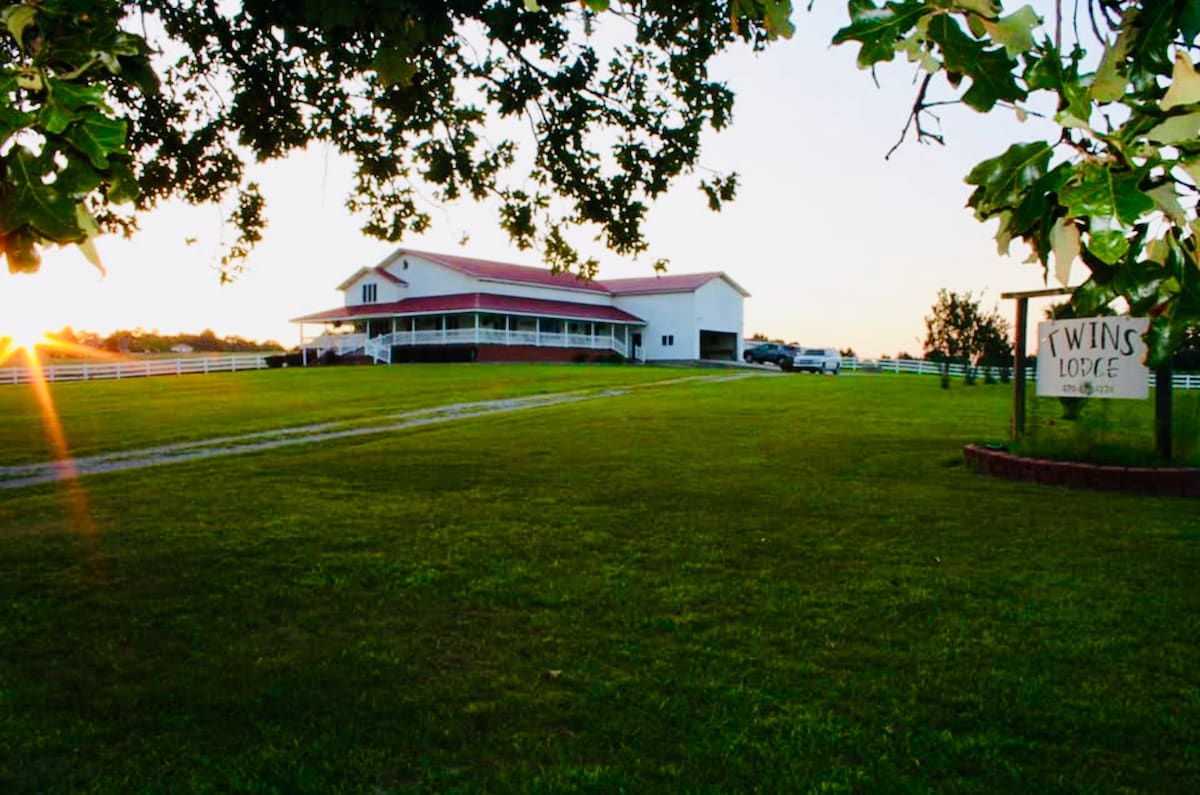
column 1160, row 481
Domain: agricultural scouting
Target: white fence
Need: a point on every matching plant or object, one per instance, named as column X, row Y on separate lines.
column 100, row 370
column 922, row 367
column 91, row 371
column 379, row 347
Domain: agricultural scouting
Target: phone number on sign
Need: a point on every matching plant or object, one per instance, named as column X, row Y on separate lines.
column 1084, row 388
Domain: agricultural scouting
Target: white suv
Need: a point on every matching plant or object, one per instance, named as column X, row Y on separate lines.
column 817, row 360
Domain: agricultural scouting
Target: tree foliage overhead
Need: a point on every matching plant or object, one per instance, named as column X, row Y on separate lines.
column 107, row 108
column 1116, row 188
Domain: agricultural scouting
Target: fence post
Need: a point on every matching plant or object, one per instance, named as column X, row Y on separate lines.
column 1162, row 411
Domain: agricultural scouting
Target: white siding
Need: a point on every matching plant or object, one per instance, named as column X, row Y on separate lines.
column 666, row 314
column 385, row 289
column 428, row 278
column 546, row 293
column 719, row 308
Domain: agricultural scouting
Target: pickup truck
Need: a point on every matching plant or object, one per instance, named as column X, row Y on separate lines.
column 816, row 360
column 770, row 352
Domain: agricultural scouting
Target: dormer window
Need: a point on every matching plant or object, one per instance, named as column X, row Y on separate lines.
column 370, row 293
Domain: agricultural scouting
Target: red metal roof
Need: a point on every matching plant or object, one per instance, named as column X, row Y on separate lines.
column 385, row 273
column 378, row 270
column 466, row 302
column 667, row 283
column 503, row 271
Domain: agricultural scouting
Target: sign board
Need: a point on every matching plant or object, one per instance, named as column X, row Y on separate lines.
column 1101, row 357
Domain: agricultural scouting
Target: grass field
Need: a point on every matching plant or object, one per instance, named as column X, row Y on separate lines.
column 777, row 584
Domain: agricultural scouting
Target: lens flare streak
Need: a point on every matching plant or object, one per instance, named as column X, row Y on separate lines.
column 76, row 501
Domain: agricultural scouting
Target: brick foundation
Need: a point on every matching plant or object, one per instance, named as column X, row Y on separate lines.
column 1160, row 481
column 530, row 353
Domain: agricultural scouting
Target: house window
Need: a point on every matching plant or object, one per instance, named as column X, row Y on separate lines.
column 369, row 293
column 668, row 339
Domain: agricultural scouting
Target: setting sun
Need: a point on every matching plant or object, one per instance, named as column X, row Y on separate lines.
column 22, row 341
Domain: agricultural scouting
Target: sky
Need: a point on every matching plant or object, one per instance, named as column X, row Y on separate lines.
column 836, row 245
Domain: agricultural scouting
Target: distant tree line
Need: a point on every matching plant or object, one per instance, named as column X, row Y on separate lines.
column 139, row 340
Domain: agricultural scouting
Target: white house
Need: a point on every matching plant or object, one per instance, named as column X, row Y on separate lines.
column 421, row 306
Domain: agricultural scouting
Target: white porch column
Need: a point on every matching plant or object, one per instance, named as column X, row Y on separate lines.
column 612, row 336
column 443, row 329
column 537, row 332
column 303, row 347
column 476, row 328
column 507, row 331
column 592, row 335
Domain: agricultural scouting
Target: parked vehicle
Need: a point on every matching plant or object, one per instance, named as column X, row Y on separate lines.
column 817, row 360
column 770, row 352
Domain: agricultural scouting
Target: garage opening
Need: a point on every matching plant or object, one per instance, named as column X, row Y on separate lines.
column 719, row 345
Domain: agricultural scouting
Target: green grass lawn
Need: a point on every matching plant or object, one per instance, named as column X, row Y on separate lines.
column 776, row 584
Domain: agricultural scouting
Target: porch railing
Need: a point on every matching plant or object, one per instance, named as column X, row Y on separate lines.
column 380, row 347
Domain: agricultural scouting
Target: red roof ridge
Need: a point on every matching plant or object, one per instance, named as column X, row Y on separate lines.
column 503, row 271
column 668, row 283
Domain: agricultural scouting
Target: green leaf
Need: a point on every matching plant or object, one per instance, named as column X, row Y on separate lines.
column 1167, row 200
column 1038, row 209
column 777, row 19
column 1140, row 284
column 77, row 179
column 1096, row 191
column 532, row 5
column 1050, row 73
column 20, row 248
column 1014, row 32
column 1164, row 336
column 988, row 9
column 880, row 28
column 1152, row 28
column 1109, row 83
column 1064, row 241
column 395, row 67
column 1004, row 180
column 1189, row 22
column 1176, row 129
column 1192, row 167
column 66, row 102
column 1092, row 297
column 97, row 137
column 17, row 18
column 1110, row 245
column 87, row 246
column 11, row 119
column 597, row 5
column 30, row 202
column 991, row 71
column 122, row 184
column 1185, row 84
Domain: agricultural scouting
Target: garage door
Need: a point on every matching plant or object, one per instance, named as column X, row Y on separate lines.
column 720, row 345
